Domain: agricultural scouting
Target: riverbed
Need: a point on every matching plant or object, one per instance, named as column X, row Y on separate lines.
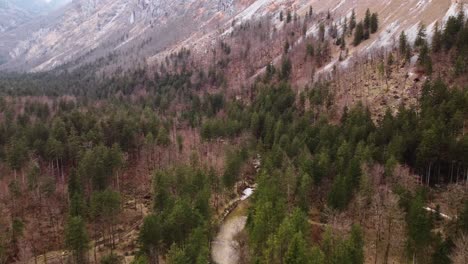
column 225, row 248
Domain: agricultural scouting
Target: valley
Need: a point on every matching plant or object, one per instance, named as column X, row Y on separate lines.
column 253, row 131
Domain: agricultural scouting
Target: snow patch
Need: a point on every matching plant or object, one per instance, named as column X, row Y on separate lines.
column 250, row 11
column 247, row 193
column 454, row 10
column 386, row 36
column 342, row 2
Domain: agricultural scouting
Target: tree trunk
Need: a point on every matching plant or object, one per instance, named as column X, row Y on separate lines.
column 387, row 250
column 451, row 173
column 429, row 175
column 61, row 170
column 95, row 244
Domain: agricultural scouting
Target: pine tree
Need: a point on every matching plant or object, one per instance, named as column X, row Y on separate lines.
column 367, row 20
column 76, row 239
column 425, row 60
column 356, row 245
column 421, row 36
column 345, row 26
column 177, row 255
column 402, row 43
column 358, row 34
column 110, row 259
column 436, row 39
column 374, row 23
column 163, row 137
column 297, row 250
column 77, row 205
column 343, row 43
column 322, row 32
column 317, row 256
column 452, row 28
column 151, row 237
column 352, row 22
column 419, row 227
column 17, row 154
column 286, row 68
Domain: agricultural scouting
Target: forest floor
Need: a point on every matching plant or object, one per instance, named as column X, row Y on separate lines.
column 125, row 238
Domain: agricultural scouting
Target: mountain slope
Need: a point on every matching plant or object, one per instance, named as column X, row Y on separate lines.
column 145, row 31
column 12, row 15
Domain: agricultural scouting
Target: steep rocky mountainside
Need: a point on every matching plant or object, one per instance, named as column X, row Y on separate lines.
column 12, row 15
column 20, row 18
column 146, row 31
column 101, row 27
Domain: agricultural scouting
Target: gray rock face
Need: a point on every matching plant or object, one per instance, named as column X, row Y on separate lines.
column 133, row 32
column 93, row 28
column 12, row 15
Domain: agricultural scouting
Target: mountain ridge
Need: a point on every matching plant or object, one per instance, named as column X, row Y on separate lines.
column 94, row 29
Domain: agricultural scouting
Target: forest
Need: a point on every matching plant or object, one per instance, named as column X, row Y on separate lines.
column 77, row 149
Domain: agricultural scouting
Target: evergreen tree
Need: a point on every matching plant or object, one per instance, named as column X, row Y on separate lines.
column 343, row 43
column 297, row 251
column 317, row 256
column 374, row 23
column 345, row 26
column 176, row 255
column 286, row 47
column 403, row 43
column 356, row 245
column 286, row 68
column 163, row 137
column 76, row 239
column 367, row 20
column 352, row 22
column 17, row 154
column 421, row 36
column 322, row 32
column 436, row 39
column 77, row 205
column 424, row 58
column 419, row 227
column 150, row 237
column 358, row 34
column 288, row 16
column 111, row 259
column 452, row 28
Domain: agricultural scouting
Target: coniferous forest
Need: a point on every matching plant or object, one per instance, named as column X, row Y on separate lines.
column 90, row 161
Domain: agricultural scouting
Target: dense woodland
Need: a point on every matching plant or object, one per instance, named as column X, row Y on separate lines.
column 68, row 137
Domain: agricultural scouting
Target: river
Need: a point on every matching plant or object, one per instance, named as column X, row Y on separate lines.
column 224, row 248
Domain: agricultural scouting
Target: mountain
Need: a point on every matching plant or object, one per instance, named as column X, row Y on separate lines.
column 20, row 18
column 144, row 31
column 141, row 127
column 38, row 6
column 12, row 15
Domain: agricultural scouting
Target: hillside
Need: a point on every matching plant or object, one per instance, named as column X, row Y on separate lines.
column 137, row 31
column 232, row 132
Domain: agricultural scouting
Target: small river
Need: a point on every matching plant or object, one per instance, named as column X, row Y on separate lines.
column 224, row 248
